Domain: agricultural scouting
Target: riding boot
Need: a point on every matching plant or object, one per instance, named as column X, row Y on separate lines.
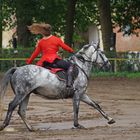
column 69, row 82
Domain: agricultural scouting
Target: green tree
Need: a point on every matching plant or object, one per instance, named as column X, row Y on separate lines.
column 23, row 18
column 54, row 12
column 81, row 15
column 126, row 13
column 106, row 23
column 70, row 21
column 19, row 14
column 0, row 23
column 86, row 14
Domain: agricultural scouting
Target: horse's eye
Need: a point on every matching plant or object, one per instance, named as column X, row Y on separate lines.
column 86, row 47
column 81, row 53
column 102, row 52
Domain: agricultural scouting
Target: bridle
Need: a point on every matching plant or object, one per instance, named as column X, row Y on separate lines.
column 87, row 59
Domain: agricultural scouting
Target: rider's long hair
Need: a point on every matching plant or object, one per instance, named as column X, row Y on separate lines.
column 42, row 28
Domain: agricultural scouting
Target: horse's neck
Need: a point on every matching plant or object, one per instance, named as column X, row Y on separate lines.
column 85, row 66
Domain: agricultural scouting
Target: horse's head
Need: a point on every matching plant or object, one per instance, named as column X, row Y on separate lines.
column 93, row 53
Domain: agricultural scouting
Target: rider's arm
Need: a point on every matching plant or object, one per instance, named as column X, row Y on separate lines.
column 65, row 47
column 34, row 54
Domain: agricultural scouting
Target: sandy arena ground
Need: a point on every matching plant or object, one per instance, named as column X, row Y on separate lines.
column 120, row 98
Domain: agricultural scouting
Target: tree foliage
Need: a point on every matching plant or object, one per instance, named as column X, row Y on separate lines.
column 21, row 13
column 0, row 23
column 86, row 14
column 106, row 24
column 126, row 13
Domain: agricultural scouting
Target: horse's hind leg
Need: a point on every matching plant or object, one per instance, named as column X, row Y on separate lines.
column 12, row 105
column 22, row 112
column 92, row 103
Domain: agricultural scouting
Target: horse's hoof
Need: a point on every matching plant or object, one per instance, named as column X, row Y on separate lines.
column 78, row 127
column 2, row 127
column 32, row 129
column 111, row 121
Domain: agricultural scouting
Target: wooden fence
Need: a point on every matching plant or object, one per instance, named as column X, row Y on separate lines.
column 115, row 61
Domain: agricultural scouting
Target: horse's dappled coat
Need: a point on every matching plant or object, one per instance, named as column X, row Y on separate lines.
column 35, row 79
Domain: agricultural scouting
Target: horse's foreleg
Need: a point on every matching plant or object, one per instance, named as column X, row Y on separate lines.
column 92, row 103
column 22, row 112
column 12, row 105
column 76, row 103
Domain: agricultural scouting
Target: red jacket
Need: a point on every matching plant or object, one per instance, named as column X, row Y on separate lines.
column 48, row 48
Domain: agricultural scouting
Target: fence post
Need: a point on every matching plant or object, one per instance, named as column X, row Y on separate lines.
column 15, row 63
column 115, row 65
column 15, row 52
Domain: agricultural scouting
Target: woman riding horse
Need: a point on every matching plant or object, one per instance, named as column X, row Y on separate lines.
column 29, row 79
column 48, row 46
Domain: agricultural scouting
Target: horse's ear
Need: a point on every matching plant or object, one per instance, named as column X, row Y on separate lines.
column 96, row 45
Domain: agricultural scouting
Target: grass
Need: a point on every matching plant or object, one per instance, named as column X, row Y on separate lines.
column 130, row 75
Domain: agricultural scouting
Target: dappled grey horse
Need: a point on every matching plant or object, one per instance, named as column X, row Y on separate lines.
column 40, row 81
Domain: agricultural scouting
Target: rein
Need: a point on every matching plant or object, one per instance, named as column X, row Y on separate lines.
column 81, row 58
column 82, row 71
column 93, row 62
column 86, row 60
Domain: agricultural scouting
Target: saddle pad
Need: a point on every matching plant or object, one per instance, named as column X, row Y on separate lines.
column 62, row 75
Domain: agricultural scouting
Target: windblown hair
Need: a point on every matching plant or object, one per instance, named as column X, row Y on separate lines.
column 42, row 28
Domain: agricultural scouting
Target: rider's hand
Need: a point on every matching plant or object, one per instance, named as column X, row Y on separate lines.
column 28, row 61
column 72, row 53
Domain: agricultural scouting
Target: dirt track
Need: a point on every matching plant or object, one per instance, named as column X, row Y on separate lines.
column 120, row 98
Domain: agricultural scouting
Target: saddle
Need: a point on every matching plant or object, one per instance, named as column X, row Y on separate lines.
column 62, row 74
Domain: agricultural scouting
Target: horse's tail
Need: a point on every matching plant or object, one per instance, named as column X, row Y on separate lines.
column 4, row 84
